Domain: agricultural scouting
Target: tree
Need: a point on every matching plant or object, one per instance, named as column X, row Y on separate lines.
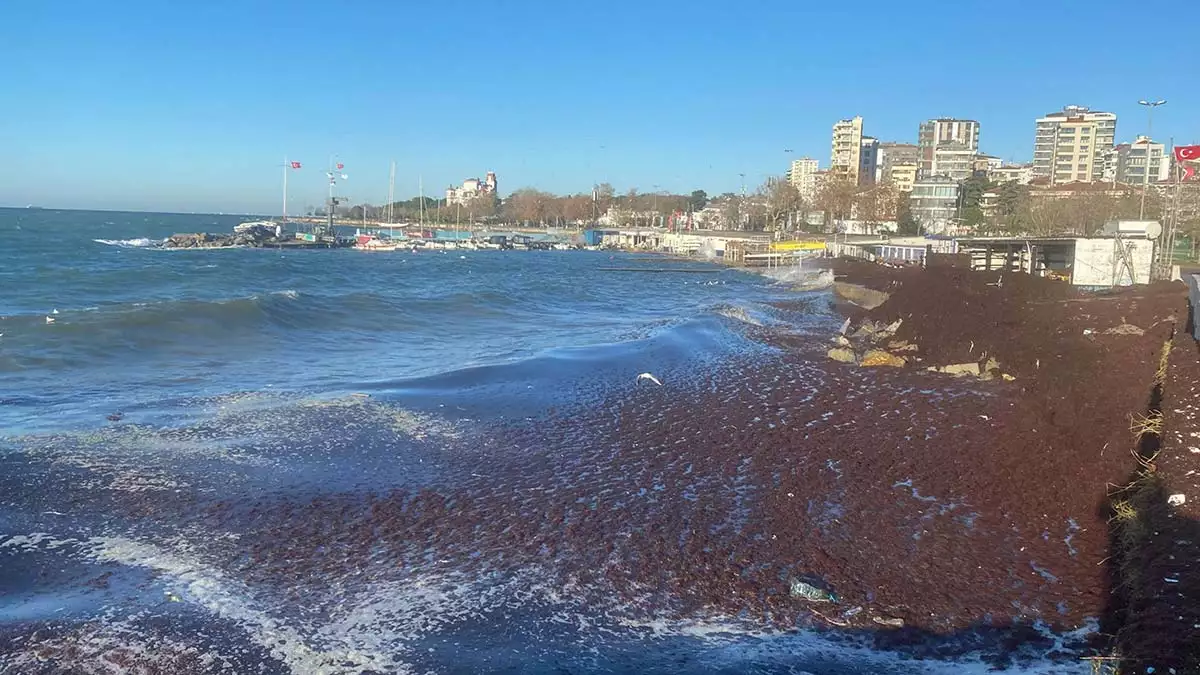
column 876, row 204
column 835, row 197
column 698, row 200
column 781, row 200
column 905, row 223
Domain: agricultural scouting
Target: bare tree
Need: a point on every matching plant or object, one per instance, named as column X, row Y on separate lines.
column 835, row 197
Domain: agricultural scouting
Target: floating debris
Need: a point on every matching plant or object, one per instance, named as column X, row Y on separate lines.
column 803, row 589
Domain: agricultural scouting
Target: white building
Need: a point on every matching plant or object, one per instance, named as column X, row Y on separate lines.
column 953, row 160
column 803, row 177
column 1071, row 145
column 1021, row 173
column 1131, row 161
column 471, row 188
column 846, row 148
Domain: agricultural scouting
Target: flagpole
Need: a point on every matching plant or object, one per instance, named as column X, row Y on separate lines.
column 285, row 173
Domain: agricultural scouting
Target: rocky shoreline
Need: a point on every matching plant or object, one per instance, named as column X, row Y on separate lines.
column 257, row 236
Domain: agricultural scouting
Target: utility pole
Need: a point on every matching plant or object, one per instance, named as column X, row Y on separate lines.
column 391, row 193
column 742, row 205
column 1150, row 106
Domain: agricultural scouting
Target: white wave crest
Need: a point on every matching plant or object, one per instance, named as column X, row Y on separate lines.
column 800, row 278
column 140, row 242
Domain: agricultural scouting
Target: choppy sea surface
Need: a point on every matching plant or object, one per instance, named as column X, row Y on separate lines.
column 247, row 461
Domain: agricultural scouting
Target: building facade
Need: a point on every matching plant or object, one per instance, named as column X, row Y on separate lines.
column 902, row 176
column 868, row 160
column 847, row 148
column 937, row 132
column 934, row 204
column 1132, row 162
column 1071, row 145
column 471, row 188
column 1021, row 174
column 803, row 176
column 891, row 154
column 953, row 160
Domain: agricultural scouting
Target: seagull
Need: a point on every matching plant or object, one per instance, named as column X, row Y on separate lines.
column 49, row 319
column 54, row 311
column 648, row 376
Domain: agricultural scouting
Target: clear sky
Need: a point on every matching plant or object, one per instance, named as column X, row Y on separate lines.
column 192, row 105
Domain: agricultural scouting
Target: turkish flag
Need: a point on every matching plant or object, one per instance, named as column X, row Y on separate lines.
column 1188, row 172
column 342, row 166
column 295, row 165
column 1187, row 153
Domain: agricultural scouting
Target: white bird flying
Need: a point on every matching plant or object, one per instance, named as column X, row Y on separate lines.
column 49, row 319
column 648, row 376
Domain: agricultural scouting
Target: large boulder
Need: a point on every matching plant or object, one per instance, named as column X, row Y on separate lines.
column 862, row 296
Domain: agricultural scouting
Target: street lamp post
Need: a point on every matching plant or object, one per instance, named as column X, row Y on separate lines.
column 1150, row 106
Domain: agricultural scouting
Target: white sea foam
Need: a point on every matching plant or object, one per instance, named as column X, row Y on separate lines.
column 804, row 279
column 140, row 242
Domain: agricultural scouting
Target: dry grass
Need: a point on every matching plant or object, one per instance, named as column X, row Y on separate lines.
column 1141, row 425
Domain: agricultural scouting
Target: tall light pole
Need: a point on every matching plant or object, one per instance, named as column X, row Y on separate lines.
column 655, row 202
column 1150, row 106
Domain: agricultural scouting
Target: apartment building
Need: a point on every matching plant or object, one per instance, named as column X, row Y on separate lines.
column 846, row 157
column 942, row 131
column 803, row 176
column 1133, row 158
column 1072, row 145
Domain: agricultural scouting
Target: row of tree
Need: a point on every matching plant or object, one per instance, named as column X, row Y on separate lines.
column 1009, row 208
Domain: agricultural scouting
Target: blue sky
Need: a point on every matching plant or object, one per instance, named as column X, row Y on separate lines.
column 193, row 105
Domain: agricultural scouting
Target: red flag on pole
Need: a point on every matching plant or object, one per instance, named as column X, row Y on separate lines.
column 1188, row 172
column 295, row 165
column 340, row 166
column 1187, row 153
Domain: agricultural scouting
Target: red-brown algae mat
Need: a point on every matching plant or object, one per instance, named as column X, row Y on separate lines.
column 896, row 506
column 938, row 502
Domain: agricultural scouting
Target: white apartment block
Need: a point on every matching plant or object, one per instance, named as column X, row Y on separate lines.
column 1071, row 145
column 803, row 177
column 846, row 158
column 1132, row 161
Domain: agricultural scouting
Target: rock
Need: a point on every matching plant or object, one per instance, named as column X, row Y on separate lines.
column 1125, row 329
column 894, row 622
column 901, row 346
column 1177, row 499
column 878, row 357
column 1007, row 377
column 958, row 369
column 842, row 354
column 807, row 591
column 991, row 365
column 859, row 295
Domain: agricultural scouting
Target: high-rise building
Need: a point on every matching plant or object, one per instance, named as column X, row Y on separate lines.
column 1071, row 145
column 891, row 154
column 803, row 177
column 847, row 149
column 938, row 132
column 1132, row 160
column 868, row 160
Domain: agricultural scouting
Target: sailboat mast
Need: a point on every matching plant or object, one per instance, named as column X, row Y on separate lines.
column 391, row 192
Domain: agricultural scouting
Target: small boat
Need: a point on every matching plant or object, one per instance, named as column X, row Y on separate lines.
column 375, row 242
